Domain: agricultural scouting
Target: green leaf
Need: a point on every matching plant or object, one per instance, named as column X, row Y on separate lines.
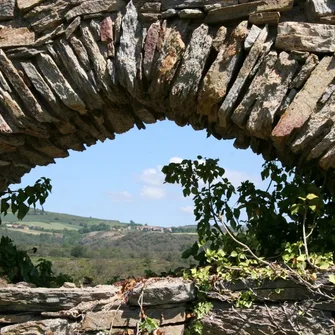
column 311, row 196
column 22, row 212
column 294, row 209
column 331, row 278
column 301, row 258
column 312, row 208
column 324, row 265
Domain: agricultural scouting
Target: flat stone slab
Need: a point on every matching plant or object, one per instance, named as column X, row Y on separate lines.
column 51, row 299
column 302, row 36
column 305, row 101
column 14, row 37
column 7, row 9
column 129, row 317
column 161, row 291
column 285, row 319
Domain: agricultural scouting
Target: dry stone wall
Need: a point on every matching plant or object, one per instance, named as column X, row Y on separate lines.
column 74, row 72
column 116, row 309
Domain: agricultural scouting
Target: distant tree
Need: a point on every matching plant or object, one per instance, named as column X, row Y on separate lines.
column 78, row 251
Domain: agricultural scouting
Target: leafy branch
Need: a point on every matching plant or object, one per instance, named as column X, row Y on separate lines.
column 19, row 201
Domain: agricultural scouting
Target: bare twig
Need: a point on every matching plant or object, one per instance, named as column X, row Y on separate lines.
column 305, row 243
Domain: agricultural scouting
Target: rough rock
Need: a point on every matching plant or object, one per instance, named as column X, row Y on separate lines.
column 191, row 14
column 271, row 18
column 167, row 4
column 229, row 102
column 305, row 101
column 22, row 90
column 106, row 30
column 59, row 84
column 43, row 89
column 183, row 92
column 149, row 17
column 46, row 17
column 270, row 92
column 11, row 37
column 12, row 115
column 95, row 6
column 265, row 320
column 25, row 5
column 52, row 326
column 214, row 4
column 252, row 36
column 276, row 5
column 330, row 19
column 215, row 83
column 317, row 9
column 46, row 299
column 149, row 48
column 305, row 72
column 78, row 74
column 158, row 291
column 317, row 38
column 128, row 49
column 219, row 39
column 239, row 11
column 171, row 51
column 121, row 120
column 151, row 7
column 4, row 83
column 169, row 13
column 99, row 63
column 81, row 53
column 71, row 28
column 23, row 53
column 317, row 131
column 128, row 317
column 7, row 9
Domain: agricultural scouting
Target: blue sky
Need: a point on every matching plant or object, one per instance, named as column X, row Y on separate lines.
column 121, row 179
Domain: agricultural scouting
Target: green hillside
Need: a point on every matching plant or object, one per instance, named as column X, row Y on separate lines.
column 57, row 221
column 105, row 255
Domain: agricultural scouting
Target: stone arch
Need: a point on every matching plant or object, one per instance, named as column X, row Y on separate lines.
column 73, row 72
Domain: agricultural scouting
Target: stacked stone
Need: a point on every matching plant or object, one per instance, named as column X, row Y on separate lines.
column 70, row 310
column 280, row 306
column 75, row 72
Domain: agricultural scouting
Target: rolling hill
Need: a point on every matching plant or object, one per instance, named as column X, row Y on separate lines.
column 57, row 221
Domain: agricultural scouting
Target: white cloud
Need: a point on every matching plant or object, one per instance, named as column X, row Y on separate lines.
column 175, row 160
column 152, row 176
column 236, row 177
column 152, row 192
column 187, row 209
column 122, row 196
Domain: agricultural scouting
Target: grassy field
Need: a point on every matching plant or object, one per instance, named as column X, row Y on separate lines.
column 30, row 231
column 58, row 221
column 51, row 225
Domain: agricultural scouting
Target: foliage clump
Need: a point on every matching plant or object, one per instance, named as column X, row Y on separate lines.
column 15, row 264
column 292, row 209
column 286, row 230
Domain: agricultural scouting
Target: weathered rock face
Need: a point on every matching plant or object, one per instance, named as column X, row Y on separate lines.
column 168, row 301
column 76, row 72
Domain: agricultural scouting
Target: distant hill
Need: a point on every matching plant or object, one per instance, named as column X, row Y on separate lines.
column 45, row 221
column 57, row 221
